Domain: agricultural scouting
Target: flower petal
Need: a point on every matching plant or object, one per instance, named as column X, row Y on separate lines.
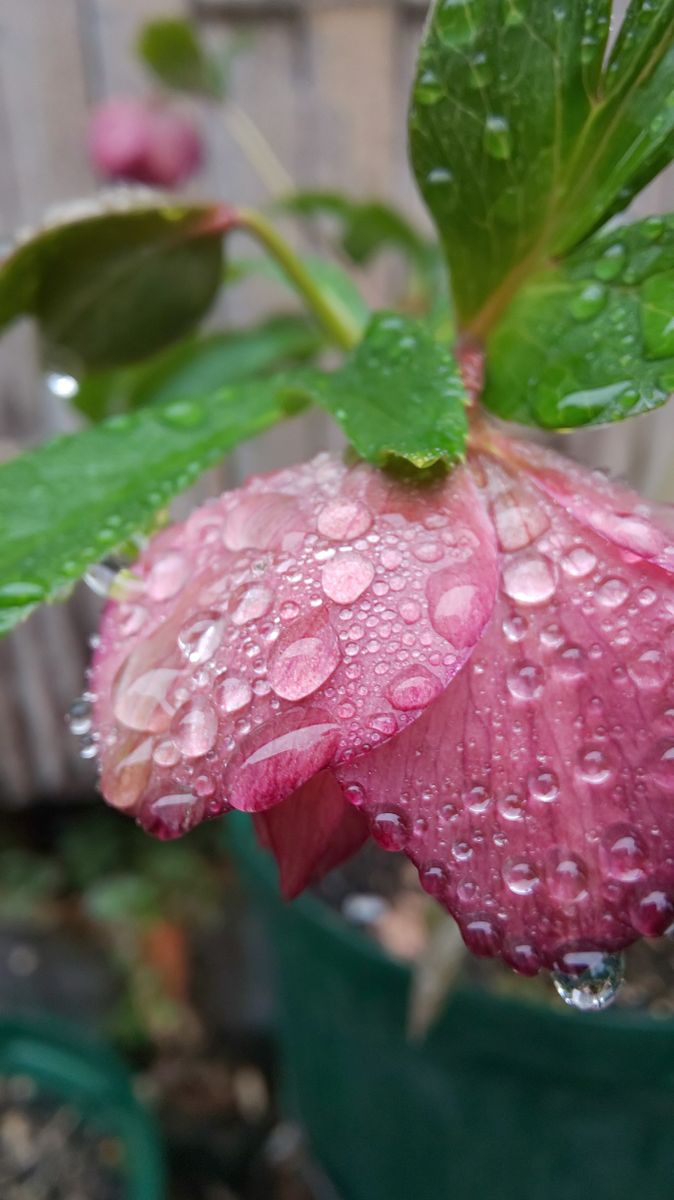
column 535, row 794
column 286, row 627
column 311, row 832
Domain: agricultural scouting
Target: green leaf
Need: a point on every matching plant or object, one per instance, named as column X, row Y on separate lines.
column 523, row 143
column 115, row 286
column 70, row 502
column 591, row 340
column 171, row 49
column 200, row 366
column 367, row 227
column 399, row 396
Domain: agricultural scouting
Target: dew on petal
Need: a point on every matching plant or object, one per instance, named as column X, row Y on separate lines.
column 649, row 668
column 529, row 579
column 390, row 830
column 525, row 681
column 200, row 637
column 566, row 877
column 414, row 687
column 590, row 980
column 233, row 695
column 579, row 562
column 520, row 877
column 344, row 520
column 304, row 657
column 250, row 602
column 168, row 576
column 544, row 786
column 144, row 703
column 195, row 728
column 344, row 579
column 624, row 853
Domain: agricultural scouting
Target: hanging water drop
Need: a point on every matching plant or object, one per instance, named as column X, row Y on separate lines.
column 497, row 138
column 596, row 986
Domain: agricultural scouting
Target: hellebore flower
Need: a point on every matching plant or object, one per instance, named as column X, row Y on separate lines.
column 475, row 670
column 144, row 142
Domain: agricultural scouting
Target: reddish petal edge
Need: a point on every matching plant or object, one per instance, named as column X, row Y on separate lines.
column 311, row 833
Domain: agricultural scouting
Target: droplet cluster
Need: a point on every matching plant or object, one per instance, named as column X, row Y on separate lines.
column 299, row 622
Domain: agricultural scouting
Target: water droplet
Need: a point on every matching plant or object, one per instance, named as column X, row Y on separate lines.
column 304, row 657
column 410, row 612
column 62, row 385
column 570, row 664
column 543, row 786
column 594, row 765
column 439, row 177
column 497, row 138
column 168, row 575
column 261, row 522
column 344, row 520
column 143, row 704
column 457, row 610
column 233, row 695
column 182, row 414
column 588, row 302
column 480, row 71
column 515, row 627
column 511, row 806
column 456, row 21
column 651, row 910
column 79, row 717
column 566, row 877
column 433, row 879
column 623, row 853
column 195, row 728
column 579, row 562
column 612, row 593
column 174, row 814
column 525, row 681
column 413, row 688
column 250, row 602
column 591, row 980
column 428, row 89
column 649, row 668
column 611, row 263
column 478, row 799
column 390, row 831
column 201, row 636
column 520, row 877
column 529, row 579
column 522, row 957
column 166, row 753
column 345, row 578
column 481, row 936
column 657, row 321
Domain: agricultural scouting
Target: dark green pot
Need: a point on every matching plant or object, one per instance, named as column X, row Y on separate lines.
column 77, row 1069
column 503, row 1101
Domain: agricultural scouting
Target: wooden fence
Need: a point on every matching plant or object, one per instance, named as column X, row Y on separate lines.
column 327, row 83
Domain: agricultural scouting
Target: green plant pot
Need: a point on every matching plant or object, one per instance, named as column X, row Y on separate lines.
column 84, row 1073
column 504, row 1100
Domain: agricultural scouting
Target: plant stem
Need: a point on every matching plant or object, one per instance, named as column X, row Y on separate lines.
column 258, row 151
column 333, row 316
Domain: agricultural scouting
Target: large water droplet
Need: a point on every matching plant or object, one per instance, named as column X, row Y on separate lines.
column 233, row 695
column 195, row 728
column 143, row 704
column 543, row 786
column 594, row 765
column 345, row 578
column 168, row 575
column 526, row 681
column 201, row 636
column 529, row 579
column 390, row 830
column 280, row 756
column 79, row 717
column 415, row 687
column 612, row 592
column 250, row 602
column 623, row 853
column 566, row 877
column 579, row 562
column 592, row 979
column 344, row 520
column 428, row 89
column 520, row 877
column 456, row 21
column 649, row 668
column 304, row 657
column 588, row 302
column 458, row 610
column 611, row 263
column 652, row 910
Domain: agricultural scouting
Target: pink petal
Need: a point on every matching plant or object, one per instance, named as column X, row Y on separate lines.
column 284, row 628
column 311, row 832
column 536, row 793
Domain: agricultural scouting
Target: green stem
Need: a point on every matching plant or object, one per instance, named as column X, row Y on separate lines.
column 333, row 316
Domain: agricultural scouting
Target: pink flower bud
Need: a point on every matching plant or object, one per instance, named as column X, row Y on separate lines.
column 145, row 142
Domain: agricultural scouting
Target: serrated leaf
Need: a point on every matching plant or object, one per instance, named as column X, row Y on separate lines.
column 115, row 286
column 171, row 49
column 68, row 503
column 591, row 340
column 522, row 144
column 399, row 396
column 200, row 366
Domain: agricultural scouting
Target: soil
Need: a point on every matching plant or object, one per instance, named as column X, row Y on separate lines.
column 379, row 892
column 48, row 1151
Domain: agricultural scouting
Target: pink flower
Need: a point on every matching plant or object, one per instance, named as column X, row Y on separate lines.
column 477, row 671
column 144, row 142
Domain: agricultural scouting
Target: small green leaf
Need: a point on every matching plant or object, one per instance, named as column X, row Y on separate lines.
column 591, row 340
column 70, row 502
column 399, row 396
column 171, row 49
column 200, row 366
column 367, row 227
column 115, row 286
column 523, row 143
